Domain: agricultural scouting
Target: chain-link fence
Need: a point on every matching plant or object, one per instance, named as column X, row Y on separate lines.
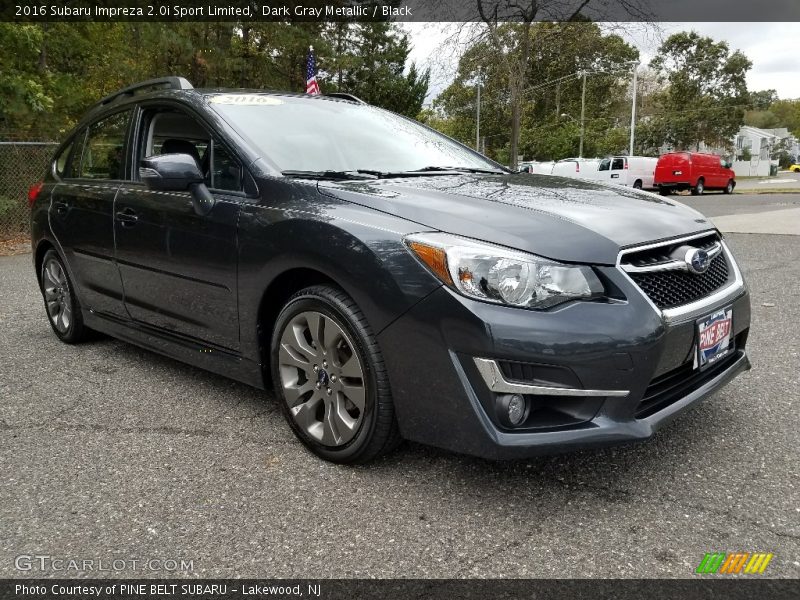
column 21, row 165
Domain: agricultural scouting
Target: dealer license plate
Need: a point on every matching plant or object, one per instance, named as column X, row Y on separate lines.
column 714, row 337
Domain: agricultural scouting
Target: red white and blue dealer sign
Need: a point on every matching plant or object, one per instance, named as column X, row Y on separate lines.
column 714, row 337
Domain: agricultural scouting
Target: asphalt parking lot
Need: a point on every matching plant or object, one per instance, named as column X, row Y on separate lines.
column 112, row 452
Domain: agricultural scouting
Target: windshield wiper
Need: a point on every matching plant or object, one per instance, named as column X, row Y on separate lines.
column 457, row 169
column 357, row 174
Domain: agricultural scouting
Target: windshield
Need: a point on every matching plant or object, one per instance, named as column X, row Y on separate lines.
column 298, row 134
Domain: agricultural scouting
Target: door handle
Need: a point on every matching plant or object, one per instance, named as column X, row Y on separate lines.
column 127, row 217
column 61, row 207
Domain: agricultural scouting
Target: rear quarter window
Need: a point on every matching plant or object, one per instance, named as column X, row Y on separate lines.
column 62, row 161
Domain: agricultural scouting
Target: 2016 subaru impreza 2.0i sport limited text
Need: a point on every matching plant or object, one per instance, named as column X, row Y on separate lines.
column 386, row 281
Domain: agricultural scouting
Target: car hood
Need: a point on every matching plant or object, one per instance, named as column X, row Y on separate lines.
column 559, row 218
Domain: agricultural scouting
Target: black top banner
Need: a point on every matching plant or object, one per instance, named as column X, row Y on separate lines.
column 401, row 10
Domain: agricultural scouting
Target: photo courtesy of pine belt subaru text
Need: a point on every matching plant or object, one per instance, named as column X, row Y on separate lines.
column 385, row 281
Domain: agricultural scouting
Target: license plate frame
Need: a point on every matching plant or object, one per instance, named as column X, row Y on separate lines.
column 714, row 337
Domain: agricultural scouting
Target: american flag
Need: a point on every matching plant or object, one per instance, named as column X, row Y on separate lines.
column 312, row 87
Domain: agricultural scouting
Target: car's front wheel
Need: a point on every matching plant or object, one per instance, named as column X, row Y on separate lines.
column 729, row 187
column 330, row 377
column 60, row 301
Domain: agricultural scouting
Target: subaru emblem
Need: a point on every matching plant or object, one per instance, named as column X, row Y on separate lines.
column 697, row 261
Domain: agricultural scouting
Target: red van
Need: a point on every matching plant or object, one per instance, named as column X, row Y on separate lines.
column 693, row 171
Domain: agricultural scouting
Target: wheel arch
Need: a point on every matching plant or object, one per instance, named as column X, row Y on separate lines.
column 41, row 249
column 275, row 296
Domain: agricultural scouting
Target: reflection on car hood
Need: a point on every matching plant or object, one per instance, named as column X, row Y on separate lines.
column 563, row 219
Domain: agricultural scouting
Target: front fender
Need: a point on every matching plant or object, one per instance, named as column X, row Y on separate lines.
column 361, row 250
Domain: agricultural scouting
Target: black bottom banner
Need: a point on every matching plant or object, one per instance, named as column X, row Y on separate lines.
column 417, row 589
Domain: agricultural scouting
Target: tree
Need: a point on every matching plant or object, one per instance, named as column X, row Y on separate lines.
column 513, row 43
column 551, row 96
column 23, row 97
column 51, row 73
column 788, row 114
column 368, row 60
column 705, row 93
column 763, row 99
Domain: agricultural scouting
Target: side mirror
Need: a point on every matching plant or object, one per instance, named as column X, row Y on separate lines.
column 177, row 173
column 170, row 172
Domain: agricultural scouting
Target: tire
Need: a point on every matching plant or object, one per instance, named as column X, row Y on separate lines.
column 729, row 188
column 60, row 302
column 797, row 170
column 348, row 374
column 664, row 191
column 699, row 188
column 637, row 185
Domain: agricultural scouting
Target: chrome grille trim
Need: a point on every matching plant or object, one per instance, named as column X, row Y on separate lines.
column 674, row 265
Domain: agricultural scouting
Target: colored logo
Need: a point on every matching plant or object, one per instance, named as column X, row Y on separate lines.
column 734, row 563
column 697, row 261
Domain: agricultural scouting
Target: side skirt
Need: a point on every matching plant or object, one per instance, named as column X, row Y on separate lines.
column 205, row 356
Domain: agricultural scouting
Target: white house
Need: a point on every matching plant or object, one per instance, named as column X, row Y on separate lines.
column 754, row 149
column 787, row 141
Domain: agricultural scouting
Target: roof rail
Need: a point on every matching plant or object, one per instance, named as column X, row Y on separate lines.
column 162, row 83
column 345, row 96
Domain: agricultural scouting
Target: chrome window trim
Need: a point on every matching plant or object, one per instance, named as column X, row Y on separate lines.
column 496, row 382
column 698, row 307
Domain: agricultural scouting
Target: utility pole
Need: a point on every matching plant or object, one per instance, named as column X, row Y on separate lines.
column 633, row 108
column 478, row 115
column 583, row 112
column 558, row 100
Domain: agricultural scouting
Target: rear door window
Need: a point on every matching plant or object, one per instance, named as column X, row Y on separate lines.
column 103, row 155
column 618, row 164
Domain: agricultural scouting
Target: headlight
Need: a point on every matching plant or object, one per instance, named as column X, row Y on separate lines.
column 496, row 274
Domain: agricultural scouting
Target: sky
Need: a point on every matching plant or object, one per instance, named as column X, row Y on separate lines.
column 773, row 49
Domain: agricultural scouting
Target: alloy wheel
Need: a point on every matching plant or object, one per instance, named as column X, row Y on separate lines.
column 56, row 295
column 323, row 378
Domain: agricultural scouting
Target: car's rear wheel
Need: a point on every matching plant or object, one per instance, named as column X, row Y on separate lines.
column 699, row 188
column 797, row 170
column 729, row 187
column 60, row 301
column 637, row 185
column 664, row 191
column 330, row 377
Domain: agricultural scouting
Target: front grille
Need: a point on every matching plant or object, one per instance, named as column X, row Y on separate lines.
column 671, row 288
column 670, row 387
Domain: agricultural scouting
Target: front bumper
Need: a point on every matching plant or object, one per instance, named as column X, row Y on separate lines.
column 634, row 364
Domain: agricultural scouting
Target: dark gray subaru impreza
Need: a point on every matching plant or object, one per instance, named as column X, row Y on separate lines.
column 387, row 281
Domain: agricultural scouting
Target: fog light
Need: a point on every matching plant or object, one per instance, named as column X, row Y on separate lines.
column 516, row 409
column 512, row 409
